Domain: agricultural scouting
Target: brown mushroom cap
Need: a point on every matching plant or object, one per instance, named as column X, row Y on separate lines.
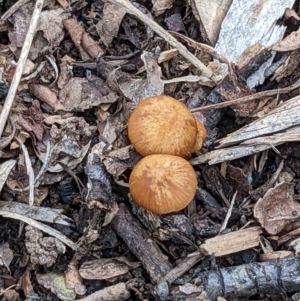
column 163, row 183
column 162, row 125
column 200, row 137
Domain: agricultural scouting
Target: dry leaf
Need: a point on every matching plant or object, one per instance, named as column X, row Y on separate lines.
column 80, row 94
column 76, row 32
column 277, row 208
column 51, row 24
column 31, row 120
column 137, row 89
column 108, row 27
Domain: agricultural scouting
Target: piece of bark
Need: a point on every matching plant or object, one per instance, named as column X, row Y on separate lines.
column 232, row 242
column 184, row 266
column 269, row 277
column 140, row 243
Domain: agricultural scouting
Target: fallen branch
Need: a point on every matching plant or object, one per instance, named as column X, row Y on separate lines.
column 21, row 63
column 140, row 243
column 41, row 227
column 271, row 277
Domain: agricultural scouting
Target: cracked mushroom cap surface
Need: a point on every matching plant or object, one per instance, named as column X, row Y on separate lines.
column 162, row 125
column 163, row 183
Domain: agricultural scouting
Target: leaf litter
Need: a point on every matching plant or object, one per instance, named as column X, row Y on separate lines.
column 82, row 67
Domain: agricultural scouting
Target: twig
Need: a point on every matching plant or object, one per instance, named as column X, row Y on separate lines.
column 129, row 8
column 228, row 215
column 140, row 244
column 20, row 66
column 256, row 96
column 41, row 227
column 13, row 9
column 270, row 277
column 29, row 171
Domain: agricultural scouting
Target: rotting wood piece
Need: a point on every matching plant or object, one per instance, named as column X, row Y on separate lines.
column 270, row 277
column 140, row 243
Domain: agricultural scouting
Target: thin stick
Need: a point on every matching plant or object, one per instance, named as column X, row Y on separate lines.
column 228, row 215
column 41, row 227
column 130, row 9
column 13, row 9
column 20, row 66
column 255, row 96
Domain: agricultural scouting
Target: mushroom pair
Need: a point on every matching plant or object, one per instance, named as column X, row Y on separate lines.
column 163, row 131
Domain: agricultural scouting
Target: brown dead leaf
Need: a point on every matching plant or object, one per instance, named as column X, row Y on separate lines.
column 76, row 32
column 277, row 208
column 80, row 94
column 45, row 95
column 238, row 181
column 65, row 71
column 136, row 88
column 117, row 161
column 51, row 24
column 106, row 268
column 291, row 42
column 25, row 283
column 108, row 27
column 92, row 48
column 31, row 120
column 71, row 139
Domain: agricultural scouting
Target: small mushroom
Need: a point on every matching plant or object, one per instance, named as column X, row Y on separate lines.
column 162, row 125
column 201, row 135
column 163, row 183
